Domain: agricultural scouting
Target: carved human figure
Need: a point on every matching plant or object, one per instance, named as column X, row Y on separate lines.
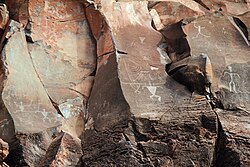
column 152, row 89
column 233, row 76
column 199, row 28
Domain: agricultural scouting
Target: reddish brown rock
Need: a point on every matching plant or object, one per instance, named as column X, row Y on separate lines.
column 65, row 150
column 173, row 11
column 67, row 38
column 4, row 17
column 4, row 150
column 23, row 94
column 18, row 10
column 224, row 44
column 134, row 114
column 153, row 100
column 101, row 33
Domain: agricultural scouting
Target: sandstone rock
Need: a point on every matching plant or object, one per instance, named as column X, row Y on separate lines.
column 4, row 150
column 73, row 124
column 152, row 102
column 172, row 11
column 67, row 76
column 23, row 94
column 18, row 10
column 66, row 37
column 83, row 83
column 7, row 130
column 101, row 33
column 4, row 17
column 32, row 147
column 228, row 52
column 65, row 150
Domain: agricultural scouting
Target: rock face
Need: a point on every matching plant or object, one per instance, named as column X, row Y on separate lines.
column 125, row 83
column 4, row 152
column 26, row 103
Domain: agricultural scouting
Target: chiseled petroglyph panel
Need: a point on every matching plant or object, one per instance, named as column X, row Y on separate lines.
column 23, row 93
column 64, row 52
column 235, row 87
column 141, row 63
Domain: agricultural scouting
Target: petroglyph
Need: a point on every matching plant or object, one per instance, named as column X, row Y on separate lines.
column 154, row 68
column 142, row 39
column 152, row 89
column 45, row 115
column 135, row 87
column 233, row 76
column 199, row 28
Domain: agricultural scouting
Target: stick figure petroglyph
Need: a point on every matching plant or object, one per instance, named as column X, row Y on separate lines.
column 199, row 28
column 143, row 76
column 132, row 44
column 233, row 75
column 142, row 39
column 152, row 89
column 135, row 87
column 45, row 115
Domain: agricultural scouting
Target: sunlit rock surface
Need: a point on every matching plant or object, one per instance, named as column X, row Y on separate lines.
column 23, row 93
column 84, row 83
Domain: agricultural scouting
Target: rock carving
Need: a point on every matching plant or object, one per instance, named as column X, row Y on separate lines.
column 232, row 75
column 199, row 28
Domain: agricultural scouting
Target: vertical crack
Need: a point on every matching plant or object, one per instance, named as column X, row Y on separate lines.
column 94, row 40
column 224, row 156
column 55, row 105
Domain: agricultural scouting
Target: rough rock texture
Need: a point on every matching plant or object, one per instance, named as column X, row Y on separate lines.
column 4, row 150
column 155, row 135
column 119, row 83
column 54, row 70
column 30, row 108
column 65, row 150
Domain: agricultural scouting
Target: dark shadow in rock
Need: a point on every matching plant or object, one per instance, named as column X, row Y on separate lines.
column 107, row 98
column 208, row 122
column 225, row 156
column 176, row 88
column 177, row 44
column 52, row 151
column 242, row 26
column 16, row 158
column 202, row 4
column 192, row 74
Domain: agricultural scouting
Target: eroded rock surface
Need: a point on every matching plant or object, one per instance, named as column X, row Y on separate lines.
column 30, row 108
column 54, row 70
column 99, row 83
column 4, row 150
column 65, row 150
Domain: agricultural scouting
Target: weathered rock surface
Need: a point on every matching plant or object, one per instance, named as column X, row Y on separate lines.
column 155, row 136
column 4, row 17
column 4, row 150
column 54, row 70
column 84, row 83
column 65, row 59
column 30, row 109
column 229, row 55
column 65, row 151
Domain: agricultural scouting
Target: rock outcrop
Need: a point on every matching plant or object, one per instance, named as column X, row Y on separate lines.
column 125, row 83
